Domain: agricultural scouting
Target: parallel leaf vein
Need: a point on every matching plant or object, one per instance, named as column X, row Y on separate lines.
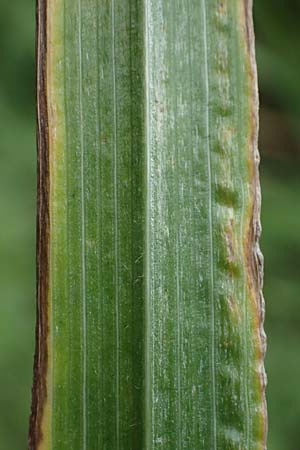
column 99, row 232
column 148, row 319
column 177, row 245
column 210, row 218
column 83, row 256
column 116, row 225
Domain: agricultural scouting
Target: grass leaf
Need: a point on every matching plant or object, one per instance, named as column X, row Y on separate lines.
column 149, row 301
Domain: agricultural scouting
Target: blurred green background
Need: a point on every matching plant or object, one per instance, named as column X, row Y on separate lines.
column 278, row 53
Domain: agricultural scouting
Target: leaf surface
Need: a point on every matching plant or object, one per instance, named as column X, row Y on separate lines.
column 150, row 307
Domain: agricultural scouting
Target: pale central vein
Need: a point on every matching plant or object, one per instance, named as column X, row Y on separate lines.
column 211, row 255
column 83, row 256
column 115, row 176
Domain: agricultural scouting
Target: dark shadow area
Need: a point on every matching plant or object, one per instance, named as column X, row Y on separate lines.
column 17, row 224
column 277, row 27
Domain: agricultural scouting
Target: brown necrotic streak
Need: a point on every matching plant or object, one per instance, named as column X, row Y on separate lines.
column 252, row 251
column 39, row 391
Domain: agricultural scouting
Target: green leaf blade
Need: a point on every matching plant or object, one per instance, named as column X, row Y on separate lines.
column 154, row 301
